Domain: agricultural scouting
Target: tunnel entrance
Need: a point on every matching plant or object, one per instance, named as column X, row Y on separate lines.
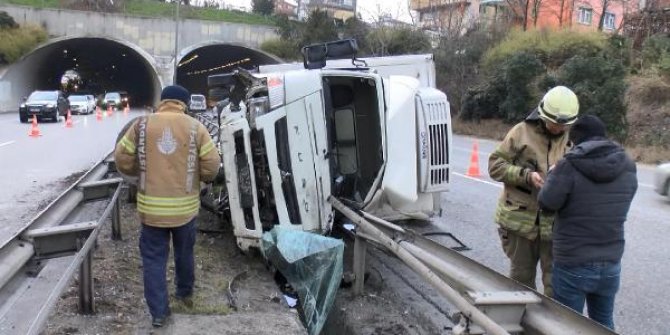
column 104, row 65
column 201, row 61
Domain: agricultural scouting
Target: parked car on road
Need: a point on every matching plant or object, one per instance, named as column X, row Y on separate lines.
column 80, row 104
column 662, row 179
column 44, row 105
column 198, row 103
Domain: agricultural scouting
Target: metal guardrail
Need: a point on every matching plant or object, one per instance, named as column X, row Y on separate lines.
column 488, row 301
column 38, row 263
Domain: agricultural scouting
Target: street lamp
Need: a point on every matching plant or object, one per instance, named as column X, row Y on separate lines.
column 176, row 43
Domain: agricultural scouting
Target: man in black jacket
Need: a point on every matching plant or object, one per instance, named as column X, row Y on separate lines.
column 591, row 190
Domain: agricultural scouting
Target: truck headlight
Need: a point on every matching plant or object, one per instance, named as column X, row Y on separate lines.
column 23, row 106
column 258, row 107
column 50, row 105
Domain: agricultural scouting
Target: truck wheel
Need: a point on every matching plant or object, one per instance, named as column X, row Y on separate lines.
column 23, row 118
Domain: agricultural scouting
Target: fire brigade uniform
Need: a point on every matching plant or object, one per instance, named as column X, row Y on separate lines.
column 525, row 231
column 170, row 153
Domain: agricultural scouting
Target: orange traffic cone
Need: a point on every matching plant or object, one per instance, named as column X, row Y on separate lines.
column 109, row 110
column 68, row 120
column 473, row 170
column 98, row 113
column 34, row 130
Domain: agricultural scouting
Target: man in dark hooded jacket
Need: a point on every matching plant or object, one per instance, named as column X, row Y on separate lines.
column 591, row 190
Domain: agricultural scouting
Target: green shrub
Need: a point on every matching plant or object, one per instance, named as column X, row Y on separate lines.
column 654, row 49
column 552, row 47
column 16, row 42
column 397, row 41
column 509, row 94
column 6, row 21
column 285, row 50
column 600, row 87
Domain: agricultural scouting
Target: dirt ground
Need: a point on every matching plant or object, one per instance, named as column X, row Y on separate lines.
column 220, row 268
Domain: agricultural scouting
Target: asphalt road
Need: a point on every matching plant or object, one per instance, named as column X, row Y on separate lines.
column 32, row 171
column 32, row 168
column 643, row 301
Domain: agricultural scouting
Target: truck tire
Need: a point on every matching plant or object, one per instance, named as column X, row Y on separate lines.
column 23, row 118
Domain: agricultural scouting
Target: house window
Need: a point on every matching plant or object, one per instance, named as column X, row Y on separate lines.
column 584, row 15
column 609, row 21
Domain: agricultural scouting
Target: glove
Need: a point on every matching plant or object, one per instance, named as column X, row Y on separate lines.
column 220, row 176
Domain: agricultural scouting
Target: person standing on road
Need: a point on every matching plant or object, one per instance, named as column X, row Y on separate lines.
column 170, row 153
column 521, row 162
column 591, row 190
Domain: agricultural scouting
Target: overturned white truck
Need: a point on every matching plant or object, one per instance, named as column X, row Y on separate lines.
column 352, row 128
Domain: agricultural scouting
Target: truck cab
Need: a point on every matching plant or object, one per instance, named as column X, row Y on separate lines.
column 291, row 139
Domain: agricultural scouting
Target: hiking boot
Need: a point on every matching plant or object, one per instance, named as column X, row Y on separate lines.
column 159, row 322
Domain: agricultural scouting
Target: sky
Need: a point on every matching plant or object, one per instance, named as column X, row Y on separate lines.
column 369, row 9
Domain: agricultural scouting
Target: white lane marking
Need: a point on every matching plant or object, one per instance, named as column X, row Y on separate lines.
column 6, row 143
column 500, row 186
column 479, row 180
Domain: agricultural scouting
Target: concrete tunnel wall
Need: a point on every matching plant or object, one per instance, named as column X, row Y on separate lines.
column 152, row 40
column 105, row 65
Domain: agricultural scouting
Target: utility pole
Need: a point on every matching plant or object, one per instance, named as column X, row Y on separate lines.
column 176, row 43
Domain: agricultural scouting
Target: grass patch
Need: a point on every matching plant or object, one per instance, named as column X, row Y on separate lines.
column 162, row 9
column 16, row 42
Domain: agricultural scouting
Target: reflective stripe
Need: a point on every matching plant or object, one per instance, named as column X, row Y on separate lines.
column 165, row 206
column 128, row 144
column 206, row 148
column 168, row 211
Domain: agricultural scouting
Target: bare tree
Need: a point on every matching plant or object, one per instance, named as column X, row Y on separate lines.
column 520, row 10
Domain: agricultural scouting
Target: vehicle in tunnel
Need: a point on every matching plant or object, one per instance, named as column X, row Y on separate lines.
column 112, row 99
column 197, row 103
column 44, row 105
column 81, row 104
column 103, row 64
column 291, row 139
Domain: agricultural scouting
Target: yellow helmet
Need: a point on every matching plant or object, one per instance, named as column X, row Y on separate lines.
column 559, row 105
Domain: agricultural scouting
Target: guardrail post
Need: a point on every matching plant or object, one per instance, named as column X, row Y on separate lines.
column 360, row 249
column 116, row 221
column 86, row 302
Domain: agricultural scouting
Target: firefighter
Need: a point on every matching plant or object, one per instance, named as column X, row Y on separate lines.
column 521, row 162
column 170, row 153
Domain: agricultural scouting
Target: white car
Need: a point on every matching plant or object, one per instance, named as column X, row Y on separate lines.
column 80, row 104
column 198, row 103
column 662, row 179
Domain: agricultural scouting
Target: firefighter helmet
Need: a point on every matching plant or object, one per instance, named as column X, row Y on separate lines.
column 559, row 105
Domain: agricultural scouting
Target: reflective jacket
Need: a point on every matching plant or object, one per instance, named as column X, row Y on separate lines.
column 527, row 148
column 170, row 153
